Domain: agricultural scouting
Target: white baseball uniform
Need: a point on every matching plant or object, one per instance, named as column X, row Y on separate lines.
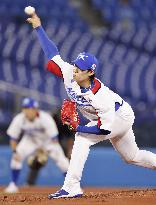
column 98, row 103
column 38, row 133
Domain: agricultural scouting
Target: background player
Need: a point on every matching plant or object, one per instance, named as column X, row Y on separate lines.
column 35, row 162
column 39, row 131
column 39, row 158
column 110, row 116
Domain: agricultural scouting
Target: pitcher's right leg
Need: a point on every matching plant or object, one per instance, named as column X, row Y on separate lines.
column 129, row 151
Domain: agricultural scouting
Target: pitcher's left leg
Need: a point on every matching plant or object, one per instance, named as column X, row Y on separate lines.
column 71, row 187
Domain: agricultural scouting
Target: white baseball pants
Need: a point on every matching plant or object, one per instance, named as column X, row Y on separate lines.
column 27, row 146
column 122, row 139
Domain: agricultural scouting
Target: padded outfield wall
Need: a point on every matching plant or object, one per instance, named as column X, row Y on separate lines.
column 104, row 168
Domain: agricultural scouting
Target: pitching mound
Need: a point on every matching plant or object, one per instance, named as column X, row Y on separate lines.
column 92, row 196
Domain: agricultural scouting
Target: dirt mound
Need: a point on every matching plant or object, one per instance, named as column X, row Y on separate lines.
column 92, row 196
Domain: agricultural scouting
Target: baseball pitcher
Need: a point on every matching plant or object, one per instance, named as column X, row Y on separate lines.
column 110, row 116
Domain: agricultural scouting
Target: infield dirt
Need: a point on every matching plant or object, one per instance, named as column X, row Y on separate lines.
column 92, row 196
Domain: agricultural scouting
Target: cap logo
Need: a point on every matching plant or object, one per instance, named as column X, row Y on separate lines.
column 26, row 101
column 93, row 66
column 82, row 56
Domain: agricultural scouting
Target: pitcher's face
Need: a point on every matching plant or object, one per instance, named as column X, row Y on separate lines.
column 81, row 76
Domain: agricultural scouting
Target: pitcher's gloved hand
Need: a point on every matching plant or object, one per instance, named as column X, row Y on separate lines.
column 69, row 114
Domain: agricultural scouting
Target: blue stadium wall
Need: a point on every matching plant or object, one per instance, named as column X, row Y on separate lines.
column 104, row 168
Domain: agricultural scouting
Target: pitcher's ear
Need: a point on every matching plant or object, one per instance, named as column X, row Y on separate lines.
column 91, row 72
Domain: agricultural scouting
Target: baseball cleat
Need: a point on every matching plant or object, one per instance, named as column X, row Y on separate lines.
column 63, row 194
column 12, row 188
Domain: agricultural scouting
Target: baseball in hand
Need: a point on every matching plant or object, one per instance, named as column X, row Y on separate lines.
column 29, row 10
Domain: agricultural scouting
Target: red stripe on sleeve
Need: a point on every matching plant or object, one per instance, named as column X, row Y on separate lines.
column 96, row 87
column 54, row 68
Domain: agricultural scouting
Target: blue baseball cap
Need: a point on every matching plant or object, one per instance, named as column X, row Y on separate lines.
column 86, row 61
column 29, row 103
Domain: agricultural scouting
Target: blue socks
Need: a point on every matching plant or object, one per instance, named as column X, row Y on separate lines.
column 15, row 174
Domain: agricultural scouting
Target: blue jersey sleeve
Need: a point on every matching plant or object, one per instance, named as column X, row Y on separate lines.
column 47, row 45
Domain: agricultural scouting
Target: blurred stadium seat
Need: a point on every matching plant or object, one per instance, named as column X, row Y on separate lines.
column 127, row 57
column 143, row 10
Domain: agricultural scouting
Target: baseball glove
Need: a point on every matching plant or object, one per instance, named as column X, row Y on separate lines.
column 38, row 159
column 69, row 114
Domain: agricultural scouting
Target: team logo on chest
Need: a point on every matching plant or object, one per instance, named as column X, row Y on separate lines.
column 78, row 99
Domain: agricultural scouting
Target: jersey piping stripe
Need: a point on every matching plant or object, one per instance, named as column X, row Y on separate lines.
column 96, row 87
